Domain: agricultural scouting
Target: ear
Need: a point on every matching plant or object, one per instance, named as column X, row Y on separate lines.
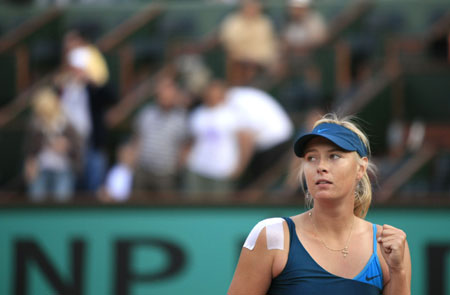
column 362, row 167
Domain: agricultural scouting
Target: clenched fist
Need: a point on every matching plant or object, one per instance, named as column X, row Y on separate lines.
column 392, row 244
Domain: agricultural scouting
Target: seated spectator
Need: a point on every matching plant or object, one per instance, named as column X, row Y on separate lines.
column 119, row 179
column 160, row 130
column 216, row 156
column 250, row 41
column 305, row 28
column 52, row 151
column 299, row 75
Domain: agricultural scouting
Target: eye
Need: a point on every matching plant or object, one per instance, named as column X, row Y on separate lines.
column 335, row 156
column 310, row 158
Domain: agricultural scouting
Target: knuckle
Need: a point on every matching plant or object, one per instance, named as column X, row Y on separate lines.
column 402, row 235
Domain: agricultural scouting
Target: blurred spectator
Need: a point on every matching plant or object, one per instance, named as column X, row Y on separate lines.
column 305, row 29
column 360, row 68
column 267, row 126
column 160, row 130
column 217, row 155
column 194, row 74
column 416, row 135
column 86, row 94
column 85, row 59
column 403, row 143
column 75, row 104
column 119, row 179
column 250, row 41
column 396, row 154
column 52, row 151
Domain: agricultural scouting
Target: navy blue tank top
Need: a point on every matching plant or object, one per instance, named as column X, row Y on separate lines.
column 302, row 274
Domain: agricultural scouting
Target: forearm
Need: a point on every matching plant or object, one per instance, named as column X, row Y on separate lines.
column 399, row 284
column 184, row 152
column 246, row 144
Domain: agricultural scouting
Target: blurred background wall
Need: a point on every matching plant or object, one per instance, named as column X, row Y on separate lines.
column 387, row 62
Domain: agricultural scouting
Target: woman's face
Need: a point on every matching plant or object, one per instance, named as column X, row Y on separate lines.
column 330, row 172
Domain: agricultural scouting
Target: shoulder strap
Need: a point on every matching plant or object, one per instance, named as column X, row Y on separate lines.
column 289, row 222
column 374, row 238
column 291, row 227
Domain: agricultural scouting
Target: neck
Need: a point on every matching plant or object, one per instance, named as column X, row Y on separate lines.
column 333, row 220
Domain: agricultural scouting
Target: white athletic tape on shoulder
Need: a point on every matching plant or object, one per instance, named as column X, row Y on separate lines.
column 274, row 234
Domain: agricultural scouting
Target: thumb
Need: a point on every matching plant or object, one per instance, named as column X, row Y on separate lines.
column 379, row 233
column 385, row 250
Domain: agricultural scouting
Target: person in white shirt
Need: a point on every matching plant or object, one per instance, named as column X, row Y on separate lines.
column 268, row 127
column 119, row 179
column 215, row 156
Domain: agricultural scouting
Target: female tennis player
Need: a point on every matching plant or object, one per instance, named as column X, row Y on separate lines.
column 329, row 249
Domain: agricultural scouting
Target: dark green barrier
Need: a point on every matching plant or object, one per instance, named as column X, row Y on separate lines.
column 170, row 250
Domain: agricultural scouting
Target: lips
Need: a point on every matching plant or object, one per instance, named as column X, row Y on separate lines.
column 323, row 181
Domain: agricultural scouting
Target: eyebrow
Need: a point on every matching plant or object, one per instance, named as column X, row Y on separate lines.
column 329, row 151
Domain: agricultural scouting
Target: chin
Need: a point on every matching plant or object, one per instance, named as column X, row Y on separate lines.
column 325, row 195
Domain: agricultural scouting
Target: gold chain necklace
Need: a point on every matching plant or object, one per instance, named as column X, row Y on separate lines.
column 344, row 250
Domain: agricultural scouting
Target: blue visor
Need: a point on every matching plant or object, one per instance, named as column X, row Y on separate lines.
column 339, row 135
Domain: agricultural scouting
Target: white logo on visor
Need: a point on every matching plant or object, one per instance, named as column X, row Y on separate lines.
column 321, row 130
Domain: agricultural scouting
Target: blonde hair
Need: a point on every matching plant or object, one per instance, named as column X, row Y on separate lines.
column 363, row 191
column 46, row 103
column 47, row 108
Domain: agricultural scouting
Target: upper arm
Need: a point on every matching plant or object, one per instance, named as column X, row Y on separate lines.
column 253, row 273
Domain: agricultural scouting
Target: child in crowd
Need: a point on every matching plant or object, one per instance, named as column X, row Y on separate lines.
column 52, row 150
column 119, row 179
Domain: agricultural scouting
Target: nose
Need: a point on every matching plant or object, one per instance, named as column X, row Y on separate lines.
column 322, row 167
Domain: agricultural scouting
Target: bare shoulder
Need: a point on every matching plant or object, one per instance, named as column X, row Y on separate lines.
column 364, row 229
column 272, row 240
column 301, row 222
column 299, row 219
column 254, row 271
column 272, row 228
